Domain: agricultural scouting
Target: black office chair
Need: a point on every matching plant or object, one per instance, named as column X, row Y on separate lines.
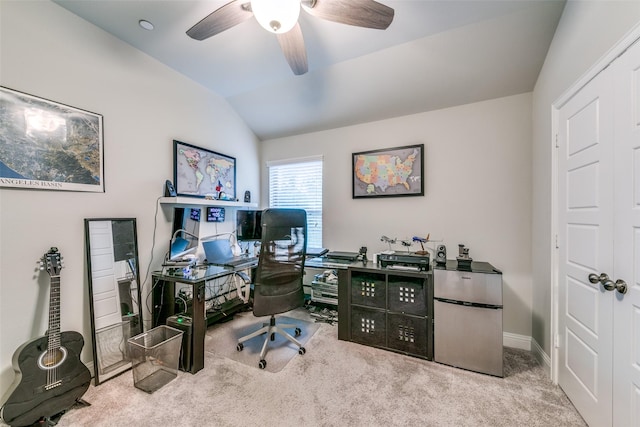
column 278, row 277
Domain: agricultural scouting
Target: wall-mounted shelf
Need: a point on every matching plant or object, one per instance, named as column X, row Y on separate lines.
column 196, row 201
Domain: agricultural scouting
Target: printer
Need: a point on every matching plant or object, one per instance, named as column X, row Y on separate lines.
column 404, row 261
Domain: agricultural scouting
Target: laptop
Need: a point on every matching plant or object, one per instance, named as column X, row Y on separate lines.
column 218, row 252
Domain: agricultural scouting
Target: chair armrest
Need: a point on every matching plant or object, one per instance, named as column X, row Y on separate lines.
column 244, row 276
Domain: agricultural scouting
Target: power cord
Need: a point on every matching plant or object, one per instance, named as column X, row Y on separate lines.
column 153, row 245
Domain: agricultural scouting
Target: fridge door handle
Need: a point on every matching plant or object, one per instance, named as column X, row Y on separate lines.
column 469, row 304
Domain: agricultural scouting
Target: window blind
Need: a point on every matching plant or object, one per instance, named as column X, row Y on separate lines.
column 298, row 184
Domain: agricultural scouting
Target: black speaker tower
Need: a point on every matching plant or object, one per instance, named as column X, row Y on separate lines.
column 169, row 189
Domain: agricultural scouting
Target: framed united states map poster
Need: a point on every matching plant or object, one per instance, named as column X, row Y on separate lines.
column 46, row 145
column 389, row 172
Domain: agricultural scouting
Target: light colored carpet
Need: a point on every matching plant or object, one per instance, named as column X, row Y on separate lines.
column 336, row 383
column 221, row 340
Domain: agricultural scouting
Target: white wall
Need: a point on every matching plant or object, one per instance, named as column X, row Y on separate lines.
column 477, row 188
column 587, row 30
column 49, row 52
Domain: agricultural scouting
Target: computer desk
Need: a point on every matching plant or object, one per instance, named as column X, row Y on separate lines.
column 164, row 299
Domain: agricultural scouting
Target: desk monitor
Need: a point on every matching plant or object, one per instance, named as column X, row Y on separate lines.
column 249, row 224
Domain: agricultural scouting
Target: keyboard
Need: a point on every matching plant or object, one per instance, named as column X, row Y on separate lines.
column 242, row 261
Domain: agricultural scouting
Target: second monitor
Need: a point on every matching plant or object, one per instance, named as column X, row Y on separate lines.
column 249, row 224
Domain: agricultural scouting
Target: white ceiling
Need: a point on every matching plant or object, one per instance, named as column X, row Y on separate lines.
column 435, row 54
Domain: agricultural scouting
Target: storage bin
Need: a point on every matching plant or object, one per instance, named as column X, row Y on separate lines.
column 368, row 326
column 155, row 355
column 407, row 295
column 368, row 289
column 407, row 334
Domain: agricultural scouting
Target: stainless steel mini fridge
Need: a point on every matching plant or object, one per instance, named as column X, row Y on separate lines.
column 467, row 305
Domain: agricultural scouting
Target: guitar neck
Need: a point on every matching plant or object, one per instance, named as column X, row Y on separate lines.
column 54, row 313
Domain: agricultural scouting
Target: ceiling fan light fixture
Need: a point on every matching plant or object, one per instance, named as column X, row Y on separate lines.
column 276, row 16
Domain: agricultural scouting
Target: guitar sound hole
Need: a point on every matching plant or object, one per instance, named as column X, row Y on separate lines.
column 52, row 359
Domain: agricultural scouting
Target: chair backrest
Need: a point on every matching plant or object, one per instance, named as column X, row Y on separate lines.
column 278, row 278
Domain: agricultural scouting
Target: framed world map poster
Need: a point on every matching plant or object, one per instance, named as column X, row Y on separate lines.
column 389, row 172
column 45, row 145
column 198, row 172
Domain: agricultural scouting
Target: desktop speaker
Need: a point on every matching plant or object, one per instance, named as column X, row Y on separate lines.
column 441, row 254
column 169, row 189
column 247, row 196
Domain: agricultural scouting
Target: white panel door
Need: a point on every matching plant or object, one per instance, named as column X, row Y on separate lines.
column 626, row 307
column 106, row 297
column 585, row 230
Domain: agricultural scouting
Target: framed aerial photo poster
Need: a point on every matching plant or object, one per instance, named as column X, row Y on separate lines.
column 389, row 172
column 46, row 145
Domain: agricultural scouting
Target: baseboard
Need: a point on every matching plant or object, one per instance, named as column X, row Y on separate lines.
column 521, row 342
column 524, row 342
column 542, row 357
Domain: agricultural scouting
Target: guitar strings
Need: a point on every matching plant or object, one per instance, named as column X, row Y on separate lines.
column 54, row 333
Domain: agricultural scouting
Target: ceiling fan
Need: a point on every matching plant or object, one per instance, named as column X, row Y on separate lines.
column 281, row 18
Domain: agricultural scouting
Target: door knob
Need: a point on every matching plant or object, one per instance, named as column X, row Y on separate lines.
column 595, row 278
column 621, row 286
column 604, row 280
column 608, row 285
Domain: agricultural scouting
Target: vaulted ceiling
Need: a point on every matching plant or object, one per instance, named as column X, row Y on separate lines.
column 435, row 54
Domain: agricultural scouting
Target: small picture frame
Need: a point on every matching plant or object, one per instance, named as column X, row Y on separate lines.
column 215, row 214
column 388, row 172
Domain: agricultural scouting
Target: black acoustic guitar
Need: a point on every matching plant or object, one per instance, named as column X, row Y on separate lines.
column 50, row 378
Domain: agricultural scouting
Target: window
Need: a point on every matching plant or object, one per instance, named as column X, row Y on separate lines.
column 297, row 183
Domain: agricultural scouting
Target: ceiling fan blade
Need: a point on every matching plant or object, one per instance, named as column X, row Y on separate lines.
column 292, row 44
column 229, row 15
column 360, row 13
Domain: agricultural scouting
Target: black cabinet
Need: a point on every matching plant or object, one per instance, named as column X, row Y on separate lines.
column 390, row 309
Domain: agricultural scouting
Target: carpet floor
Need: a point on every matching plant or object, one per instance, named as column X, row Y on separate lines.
column 336, row 383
